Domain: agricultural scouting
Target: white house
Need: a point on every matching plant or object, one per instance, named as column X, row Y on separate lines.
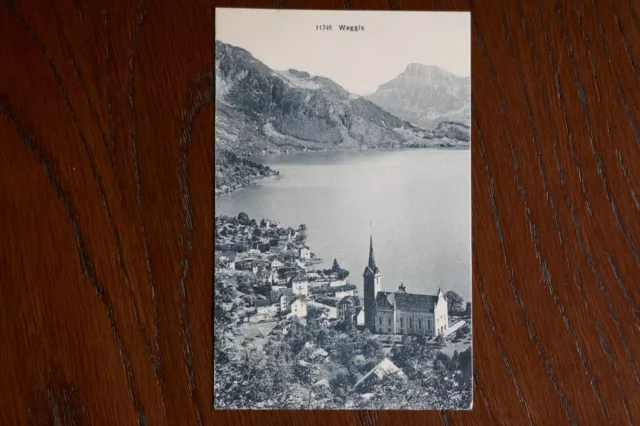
column 304, row 253
column 360, row 317
column 279, row 298
column 345, row 290
column 264, row 307
column 298, row 307
column 337, row 283
column 300, row 264
column 276, row 264
column 441, row 313
column 300, row 285
column 228, row 259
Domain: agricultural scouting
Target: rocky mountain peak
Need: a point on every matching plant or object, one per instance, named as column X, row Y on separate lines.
column 426, row 95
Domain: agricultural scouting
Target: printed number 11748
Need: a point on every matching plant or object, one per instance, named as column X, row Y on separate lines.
column 323, row 28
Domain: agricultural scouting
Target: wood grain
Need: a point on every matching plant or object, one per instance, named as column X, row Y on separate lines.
column 106, row 183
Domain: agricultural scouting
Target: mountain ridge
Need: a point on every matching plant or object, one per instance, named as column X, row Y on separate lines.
column 426, row 95
column 259, row 109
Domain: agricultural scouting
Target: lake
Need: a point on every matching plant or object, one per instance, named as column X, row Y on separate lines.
column 416, row 203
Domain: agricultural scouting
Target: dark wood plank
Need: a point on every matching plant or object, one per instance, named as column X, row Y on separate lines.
column 106, row 130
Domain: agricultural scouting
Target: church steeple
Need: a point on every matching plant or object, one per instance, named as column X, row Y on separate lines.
column 372, row 260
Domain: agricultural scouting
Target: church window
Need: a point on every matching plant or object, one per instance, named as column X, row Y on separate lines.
column 389, row 329
column 419, row 324
column 401, row 323
column 380, row 320
column 389, row 321
column 429, row 324
column 410, row 322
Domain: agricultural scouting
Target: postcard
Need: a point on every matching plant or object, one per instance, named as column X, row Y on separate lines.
column 342, row 269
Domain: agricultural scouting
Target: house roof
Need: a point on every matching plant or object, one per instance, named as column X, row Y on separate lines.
column 351, row 300
column 380, row 371
column 274, row 296
column 300, row 278
column 231, row 255
column 346, row 287
column 406, row 301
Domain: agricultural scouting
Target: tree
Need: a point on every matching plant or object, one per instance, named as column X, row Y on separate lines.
column 336, row 266
column 303, row 227
column 454, row 302
column 243, row 218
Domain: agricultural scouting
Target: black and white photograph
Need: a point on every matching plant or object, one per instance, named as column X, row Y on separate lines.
column 342, row 265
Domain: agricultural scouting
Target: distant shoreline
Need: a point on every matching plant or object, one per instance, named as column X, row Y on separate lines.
column 259, row 158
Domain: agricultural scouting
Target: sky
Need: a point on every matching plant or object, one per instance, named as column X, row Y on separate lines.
column 358, row 61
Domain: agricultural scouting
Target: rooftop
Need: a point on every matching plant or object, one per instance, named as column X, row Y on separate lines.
column 406, row 301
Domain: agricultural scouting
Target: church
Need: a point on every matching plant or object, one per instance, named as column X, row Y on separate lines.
column 399, row 312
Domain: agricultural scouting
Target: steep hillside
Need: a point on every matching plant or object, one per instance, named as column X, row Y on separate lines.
column 262, row 110
column 233, row 172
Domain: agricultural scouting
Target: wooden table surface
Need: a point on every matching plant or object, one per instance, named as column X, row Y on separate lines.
column 106, row 207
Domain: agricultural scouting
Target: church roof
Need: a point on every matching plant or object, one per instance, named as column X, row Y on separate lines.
column 372, row 259
column 382, row 302
column 415, row 302
column 369, row 271
column 406, row 301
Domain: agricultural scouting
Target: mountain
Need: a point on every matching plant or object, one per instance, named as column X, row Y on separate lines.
column 263, row 110
column 426, row 96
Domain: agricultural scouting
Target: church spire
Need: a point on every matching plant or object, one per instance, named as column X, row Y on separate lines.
column 372, row 260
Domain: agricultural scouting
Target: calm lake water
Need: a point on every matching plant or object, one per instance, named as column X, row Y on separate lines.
column 416, row 203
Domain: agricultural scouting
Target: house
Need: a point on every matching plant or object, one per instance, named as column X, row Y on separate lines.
column 344, row 290
column 347, row 308
column 300, row 284
column 227, row 259
column 337, row 283
column 304, row 253
column 318, row 284
column 405, row 313
column 467, row 312
column 279, row 298
column 298, row 307
column 264, row 307
column 328, row 311
column 301, row 265
column 278, row 330
column 276, row 264
column 246, row 264
column 385, row 369
column 262, row 265
column 360, row 316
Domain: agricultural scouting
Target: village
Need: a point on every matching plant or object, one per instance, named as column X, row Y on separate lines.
column 280, row 260
column 279, row 288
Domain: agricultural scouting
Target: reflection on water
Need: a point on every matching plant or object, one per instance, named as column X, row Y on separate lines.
column 416, row 203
